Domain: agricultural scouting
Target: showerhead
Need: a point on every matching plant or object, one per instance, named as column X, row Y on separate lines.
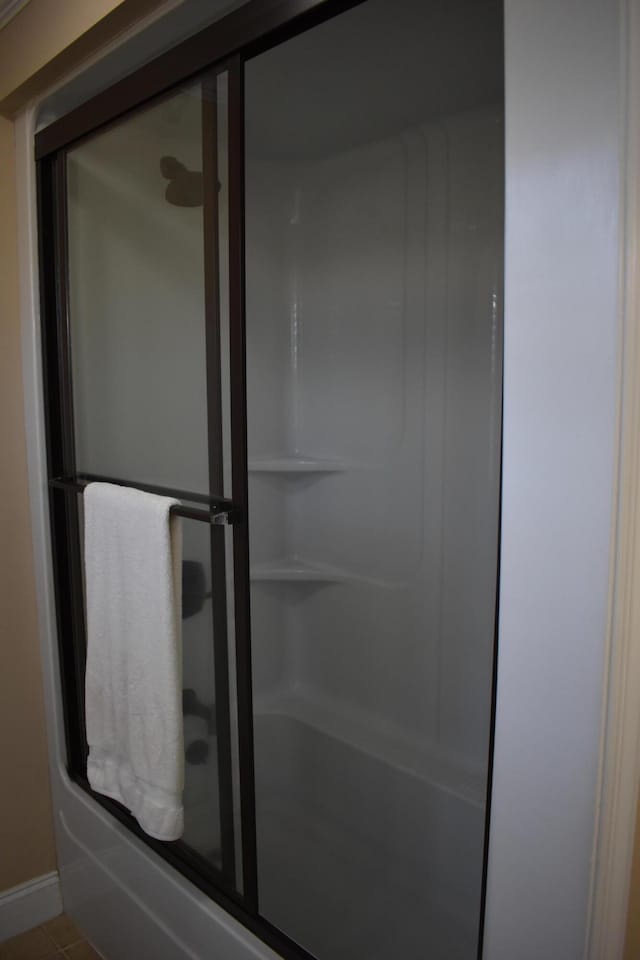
column 185, row 186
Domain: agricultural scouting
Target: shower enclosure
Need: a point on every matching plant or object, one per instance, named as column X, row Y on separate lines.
column 271, row 275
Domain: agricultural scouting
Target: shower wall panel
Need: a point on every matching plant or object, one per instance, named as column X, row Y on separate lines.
column 374, row 393
column 374, row 356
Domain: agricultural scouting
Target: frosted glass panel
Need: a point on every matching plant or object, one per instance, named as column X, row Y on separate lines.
column 374, row 201
column 140, row 334
column 136, row 274
column 201, row 797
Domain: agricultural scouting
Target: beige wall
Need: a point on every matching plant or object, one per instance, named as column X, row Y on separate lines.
column 46, row 38
column 40, row 31
column 632, row 946
column 26, row 836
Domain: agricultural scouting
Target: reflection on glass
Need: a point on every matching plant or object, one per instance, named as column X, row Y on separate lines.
column 374, row 261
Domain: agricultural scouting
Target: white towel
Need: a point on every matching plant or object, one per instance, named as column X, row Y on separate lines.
column 133, row 574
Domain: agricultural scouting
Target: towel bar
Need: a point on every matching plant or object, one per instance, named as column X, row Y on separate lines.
column 219, row 509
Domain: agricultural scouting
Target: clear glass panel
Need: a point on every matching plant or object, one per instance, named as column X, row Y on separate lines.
column 374, row 249
column 136, row 297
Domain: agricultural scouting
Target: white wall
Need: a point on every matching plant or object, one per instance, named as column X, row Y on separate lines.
column 563, row 153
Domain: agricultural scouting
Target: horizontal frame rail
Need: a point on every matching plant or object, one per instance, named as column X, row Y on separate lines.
column 220, row 509
column 251, row 28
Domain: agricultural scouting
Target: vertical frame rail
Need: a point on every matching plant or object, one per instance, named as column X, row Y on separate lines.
column 240, row 495
column 63, row 505
column 216, row 471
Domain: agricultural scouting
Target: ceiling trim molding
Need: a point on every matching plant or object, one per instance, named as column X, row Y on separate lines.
column 125, row 20
column 9, row 9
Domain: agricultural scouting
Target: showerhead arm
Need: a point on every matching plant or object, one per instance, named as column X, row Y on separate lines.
column 185, row 186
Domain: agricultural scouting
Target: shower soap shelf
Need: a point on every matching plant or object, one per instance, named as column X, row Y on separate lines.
column 297, row 571
column 295, row 465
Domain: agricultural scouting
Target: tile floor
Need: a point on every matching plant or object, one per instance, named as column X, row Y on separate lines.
column 59, row 939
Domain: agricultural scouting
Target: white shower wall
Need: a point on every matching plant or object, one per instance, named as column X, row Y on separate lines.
column 374, row 370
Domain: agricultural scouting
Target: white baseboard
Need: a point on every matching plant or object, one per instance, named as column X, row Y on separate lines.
column 29, row 904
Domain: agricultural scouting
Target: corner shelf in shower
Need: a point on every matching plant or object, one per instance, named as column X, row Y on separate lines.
column 292, row 570
column 295, row 464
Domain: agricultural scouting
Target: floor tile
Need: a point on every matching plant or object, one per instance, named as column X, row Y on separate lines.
column 32, row 945
column 82, row 951
column 63, row 930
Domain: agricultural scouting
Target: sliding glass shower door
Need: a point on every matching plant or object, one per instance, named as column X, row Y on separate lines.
column 148, row 397
column 374, row 182
column 272, row 289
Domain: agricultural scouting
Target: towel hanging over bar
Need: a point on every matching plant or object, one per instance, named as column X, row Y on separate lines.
column 219, row 509
column 133, row 681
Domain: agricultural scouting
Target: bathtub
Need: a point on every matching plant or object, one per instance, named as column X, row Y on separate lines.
column 343, row 833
